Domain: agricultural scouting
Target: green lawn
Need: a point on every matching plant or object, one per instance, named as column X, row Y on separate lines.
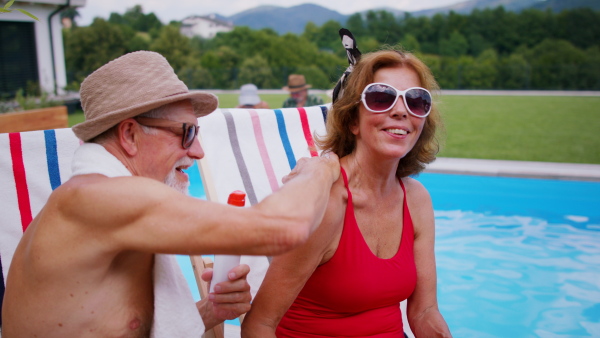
column 526, row 128
column 549, row 129
column 274, row 100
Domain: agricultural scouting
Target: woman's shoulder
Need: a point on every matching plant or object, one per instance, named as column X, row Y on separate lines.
column 416, row 191
column 414, row 185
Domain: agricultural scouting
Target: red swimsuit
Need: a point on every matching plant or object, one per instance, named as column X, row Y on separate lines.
column 355, row 293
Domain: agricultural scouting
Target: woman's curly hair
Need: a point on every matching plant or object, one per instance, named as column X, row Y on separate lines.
column 344, row 112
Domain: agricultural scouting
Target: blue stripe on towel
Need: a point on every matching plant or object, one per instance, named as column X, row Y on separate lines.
column 285, row 139
column 52, row 158
column 324, row 112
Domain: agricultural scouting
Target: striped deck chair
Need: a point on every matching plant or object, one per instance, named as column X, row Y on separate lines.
column 32, row 164
column 251, row 150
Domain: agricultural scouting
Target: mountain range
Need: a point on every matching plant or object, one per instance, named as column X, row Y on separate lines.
column 294, row 19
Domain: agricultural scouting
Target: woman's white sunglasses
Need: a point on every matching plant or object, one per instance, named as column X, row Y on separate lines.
column 381, row 97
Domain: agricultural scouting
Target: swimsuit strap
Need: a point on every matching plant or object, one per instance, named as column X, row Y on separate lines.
column 345, row 177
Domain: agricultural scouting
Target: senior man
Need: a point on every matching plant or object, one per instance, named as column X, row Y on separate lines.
column 93, row 263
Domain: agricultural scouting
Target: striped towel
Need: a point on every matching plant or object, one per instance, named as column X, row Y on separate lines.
column 252, row 150
column 32, row 164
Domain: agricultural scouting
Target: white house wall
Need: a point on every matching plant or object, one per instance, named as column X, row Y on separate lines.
column 42, row 9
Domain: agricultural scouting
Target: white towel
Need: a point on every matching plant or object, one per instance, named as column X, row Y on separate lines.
column 175, row 312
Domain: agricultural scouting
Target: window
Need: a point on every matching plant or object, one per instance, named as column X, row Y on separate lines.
column 18, row 57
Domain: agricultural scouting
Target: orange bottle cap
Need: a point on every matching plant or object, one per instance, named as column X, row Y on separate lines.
column 237, row 198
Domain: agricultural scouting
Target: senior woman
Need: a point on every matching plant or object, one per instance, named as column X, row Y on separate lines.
column 375, row 246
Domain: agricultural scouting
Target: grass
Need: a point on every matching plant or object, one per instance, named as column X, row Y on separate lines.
column 523, row 128
column 274, row 100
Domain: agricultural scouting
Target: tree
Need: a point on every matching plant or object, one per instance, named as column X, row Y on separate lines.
column 356, row 25
column 223, row 66
column 556, row 64
column 480, row 73
column 327, row 36
column 195, row 76
column 174, row 46
column 256, row 70
column 456, row 45
column 135, row 18
column 514, row 72
column 580, row 26
column 477, row 44
column 383, row 26
column 410, row 43
column 88, row 48
column 315, row 77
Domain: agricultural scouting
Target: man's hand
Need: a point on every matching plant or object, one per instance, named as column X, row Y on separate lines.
column 230, row 300
column 328, row 161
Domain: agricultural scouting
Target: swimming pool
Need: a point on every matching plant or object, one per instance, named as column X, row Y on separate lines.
column 515, row 257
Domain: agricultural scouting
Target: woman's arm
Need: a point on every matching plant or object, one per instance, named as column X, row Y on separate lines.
column 289, row 272
column 423, row 313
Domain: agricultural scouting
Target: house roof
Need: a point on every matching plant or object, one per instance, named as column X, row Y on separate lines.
column 212, row 18
column 55, row 2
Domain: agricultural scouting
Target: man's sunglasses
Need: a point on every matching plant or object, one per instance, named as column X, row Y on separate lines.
column 188, row 131
column 381, row 97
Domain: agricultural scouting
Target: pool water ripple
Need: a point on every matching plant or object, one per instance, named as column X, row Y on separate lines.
column 517, row 257
column 515, row 276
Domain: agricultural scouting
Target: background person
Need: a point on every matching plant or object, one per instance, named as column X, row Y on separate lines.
column 249, row 98
column 92, row 262
column 375, row 246
column 299, row 96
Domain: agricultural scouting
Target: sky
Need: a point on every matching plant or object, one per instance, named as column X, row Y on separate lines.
column 168, row 10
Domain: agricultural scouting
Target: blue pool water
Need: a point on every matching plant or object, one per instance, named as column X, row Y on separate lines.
column 515, row 257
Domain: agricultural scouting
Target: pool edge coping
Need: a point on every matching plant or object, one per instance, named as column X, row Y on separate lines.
column 525, row 169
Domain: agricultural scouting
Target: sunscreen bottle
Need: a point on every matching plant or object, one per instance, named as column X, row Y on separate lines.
column 224, row 263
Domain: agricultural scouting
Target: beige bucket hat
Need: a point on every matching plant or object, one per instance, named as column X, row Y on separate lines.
column 132, row 85
column 296, row 83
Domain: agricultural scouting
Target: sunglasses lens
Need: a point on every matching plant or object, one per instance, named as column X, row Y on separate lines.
column 418, row 101
column 189, row 135
column 379, row 97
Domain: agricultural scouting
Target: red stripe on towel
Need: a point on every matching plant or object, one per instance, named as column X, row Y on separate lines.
column 16, row 153
column 307, row 134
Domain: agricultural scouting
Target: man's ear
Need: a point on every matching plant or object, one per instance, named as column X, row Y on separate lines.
column 128, row 133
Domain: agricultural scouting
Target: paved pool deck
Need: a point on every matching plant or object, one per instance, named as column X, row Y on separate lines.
column 528, row 169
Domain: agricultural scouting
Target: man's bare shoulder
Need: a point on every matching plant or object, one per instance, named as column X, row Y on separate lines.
column 99, row 200
column 96, row 186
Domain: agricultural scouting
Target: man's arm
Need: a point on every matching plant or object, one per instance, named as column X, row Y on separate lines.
column 135, row 213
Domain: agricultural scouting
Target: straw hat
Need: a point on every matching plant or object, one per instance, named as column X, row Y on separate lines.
column 249, row 95
column 132, row 85
column 296, row 83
